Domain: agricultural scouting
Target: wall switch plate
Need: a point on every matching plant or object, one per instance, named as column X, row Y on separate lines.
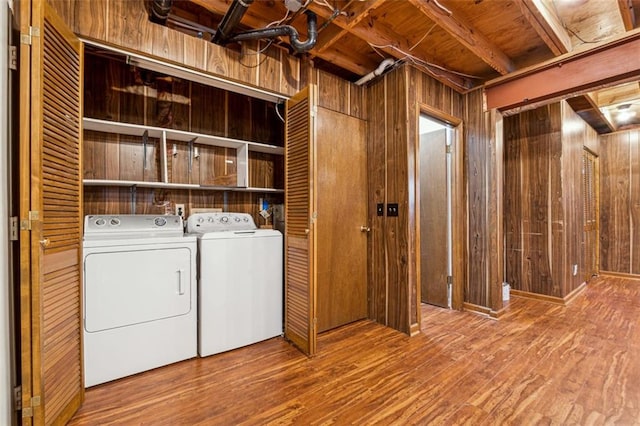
column 180, row 210
column 380, row 209
column 392, row 209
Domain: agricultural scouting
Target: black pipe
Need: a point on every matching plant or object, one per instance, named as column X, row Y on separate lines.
column 287, row 30
column 160, row 10
column 230, row 20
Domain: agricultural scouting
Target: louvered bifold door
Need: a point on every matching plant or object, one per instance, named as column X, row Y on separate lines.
column 590, row 209
column 54, row 188
column 300, row 282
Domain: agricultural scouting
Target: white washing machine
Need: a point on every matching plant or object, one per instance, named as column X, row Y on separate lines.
column 140, row 295
column 240, row 281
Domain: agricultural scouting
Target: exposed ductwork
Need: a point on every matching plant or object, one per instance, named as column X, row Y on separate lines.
column 160, row 10
column 286, row 30
column 230, row 20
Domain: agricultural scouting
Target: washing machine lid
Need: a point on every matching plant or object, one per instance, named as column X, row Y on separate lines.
column 107, row 227
column 201, row 223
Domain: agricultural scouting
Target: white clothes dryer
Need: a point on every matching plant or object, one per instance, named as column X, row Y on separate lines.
column 240, row 281
column 140, row 297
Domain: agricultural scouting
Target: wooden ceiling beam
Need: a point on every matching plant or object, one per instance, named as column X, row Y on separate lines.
column 466, row 35
column 627, row 14
column 604, row 65
column 546, row 23
column 586, row 107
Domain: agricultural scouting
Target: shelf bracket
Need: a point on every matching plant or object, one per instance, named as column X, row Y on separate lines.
column 191, row 154
column 134, row 189
column 145, row 140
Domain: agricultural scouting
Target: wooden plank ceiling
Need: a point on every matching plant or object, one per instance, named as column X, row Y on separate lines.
column 462, row 43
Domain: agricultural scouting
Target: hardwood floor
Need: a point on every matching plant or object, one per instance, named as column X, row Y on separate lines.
column 540, row 363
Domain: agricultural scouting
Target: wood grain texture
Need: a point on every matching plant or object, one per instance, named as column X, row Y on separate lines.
column 539, row 363
column 376, row 174
column 544, row 213
column 620, row 202
column 392, row 111
column 115, row 91
column 634, row 142
column 433, row 218
column 125, row 23
column 341, row 189
column 476, row 143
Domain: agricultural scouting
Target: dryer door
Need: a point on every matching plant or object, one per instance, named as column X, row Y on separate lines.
column 128, row 287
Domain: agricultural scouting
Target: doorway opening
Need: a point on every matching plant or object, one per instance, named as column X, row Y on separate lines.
column 436, row 140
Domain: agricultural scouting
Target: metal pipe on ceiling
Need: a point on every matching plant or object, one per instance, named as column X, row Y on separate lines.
column 286, row 30
column 230, row 21
column 160, row 10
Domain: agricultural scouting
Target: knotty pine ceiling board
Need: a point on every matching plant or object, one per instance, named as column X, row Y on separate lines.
column 439, row 47
column 591, row 20
column 351, row 48
column 502, row 22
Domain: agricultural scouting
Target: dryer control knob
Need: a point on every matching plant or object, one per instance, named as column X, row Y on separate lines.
column 211, row 219
column 200, row 219
column 224, row 219
column 160, row 221
column 114, row 221
column 101, row 222
column 237, row 219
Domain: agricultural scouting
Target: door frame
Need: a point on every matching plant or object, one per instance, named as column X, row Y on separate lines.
column 458, row 212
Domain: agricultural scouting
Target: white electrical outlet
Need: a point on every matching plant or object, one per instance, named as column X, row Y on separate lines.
column 575, row 270
column 180, row 210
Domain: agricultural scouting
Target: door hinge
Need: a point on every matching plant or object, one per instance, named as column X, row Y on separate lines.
column 17, row 398
column 33, row 402
column 14, row 229
column 449, row 149
column 27, row 38
column 449, row 279
column 27, row 224
column 13, row 58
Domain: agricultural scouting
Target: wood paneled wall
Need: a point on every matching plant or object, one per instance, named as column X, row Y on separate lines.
column 125, row 24
column 620, row 202
column 484, row 161
column 394, row 107
column 543, row 204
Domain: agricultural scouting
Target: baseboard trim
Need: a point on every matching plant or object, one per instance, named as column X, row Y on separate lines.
column 466, row 306
column 569, row 297
column 619, row 275
column 497, row 314
column 414, row 329
column 536, row 296
column 562, row 301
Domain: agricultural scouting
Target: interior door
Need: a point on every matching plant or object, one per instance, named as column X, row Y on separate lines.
column 434, row 211
column 50, row 213
column 300, row 208
column 342, row 228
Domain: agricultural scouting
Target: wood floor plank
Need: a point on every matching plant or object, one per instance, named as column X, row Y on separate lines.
column 540, row 363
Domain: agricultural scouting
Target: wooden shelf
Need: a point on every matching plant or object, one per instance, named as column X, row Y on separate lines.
column 168, row 185
column 138, row 130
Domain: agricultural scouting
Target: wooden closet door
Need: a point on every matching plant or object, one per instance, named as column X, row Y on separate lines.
column 300, row 239
column 51, row 217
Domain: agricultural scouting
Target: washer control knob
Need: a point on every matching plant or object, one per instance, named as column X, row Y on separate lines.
column 210, row 219
column 237, row 219
column 200, row 219
column 246, row 219
column 224, row 219
column 114, row 221
column 101, row 222
column 160, row 221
